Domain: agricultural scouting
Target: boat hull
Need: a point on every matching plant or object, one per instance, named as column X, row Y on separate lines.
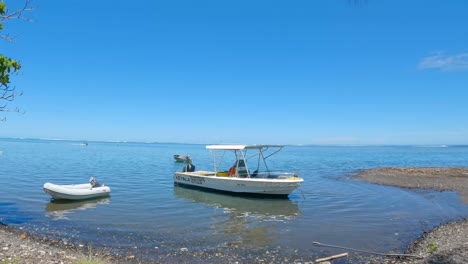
column 250, row 186
column 75, row 191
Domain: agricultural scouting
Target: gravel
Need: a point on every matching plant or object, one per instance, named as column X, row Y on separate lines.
column 18, row 247
column 444, row 244
column 440, row 179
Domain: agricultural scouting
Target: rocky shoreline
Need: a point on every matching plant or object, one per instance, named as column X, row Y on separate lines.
column 447, row 243
column 19, row 247
column 444, row 244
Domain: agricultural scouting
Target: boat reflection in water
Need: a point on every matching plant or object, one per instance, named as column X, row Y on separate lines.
column 59, row 209
column 244, row 220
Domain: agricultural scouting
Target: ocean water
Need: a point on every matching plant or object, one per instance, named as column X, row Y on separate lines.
column 148, row 217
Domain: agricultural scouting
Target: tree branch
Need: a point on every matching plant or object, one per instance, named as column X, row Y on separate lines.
column 9, row 66
column 17, row 14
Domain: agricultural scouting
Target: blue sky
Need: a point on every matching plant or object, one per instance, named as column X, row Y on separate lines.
column 256, row 72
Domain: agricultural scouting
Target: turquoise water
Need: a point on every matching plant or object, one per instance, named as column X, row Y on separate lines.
column 148, row 217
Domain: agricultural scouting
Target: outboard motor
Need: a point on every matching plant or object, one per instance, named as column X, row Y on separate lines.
column 93, row 182
column 188, row 168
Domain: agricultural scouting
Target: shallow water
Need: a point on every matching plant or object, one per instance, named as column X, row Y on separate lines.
column 147, row 216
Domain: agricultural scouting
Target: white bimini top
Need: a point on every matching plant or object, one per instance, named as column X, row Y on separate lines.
column 240, row 147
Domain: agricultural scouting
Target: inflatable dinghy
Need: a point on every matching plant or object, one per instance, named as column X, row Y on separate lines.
column 77, row 191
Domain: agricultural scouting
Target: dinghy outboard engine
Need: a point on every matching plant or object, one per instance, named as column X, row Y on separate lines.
column 188, row 168
column 94, row 182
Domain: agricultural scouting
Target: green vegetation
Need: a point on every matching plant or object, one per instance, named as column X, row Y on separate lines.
column 89, row 261
column 8, row 65
column 93, row 257
column 10, row 261
column 431, row 248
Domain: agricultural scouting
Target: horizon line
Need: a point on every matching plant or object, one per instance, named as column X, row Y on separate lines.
column 187, row 143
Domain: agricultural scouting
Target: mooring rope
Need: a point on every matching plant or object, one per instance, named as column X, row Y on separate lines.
column 302, row 192
column 369, row 252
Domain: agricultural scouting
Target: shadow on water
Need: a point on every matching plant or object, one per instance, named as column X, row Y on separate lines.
column 59, row 209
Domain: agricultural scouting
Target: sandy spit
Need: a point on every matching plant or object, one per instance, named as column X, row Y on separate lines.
column 446, row 244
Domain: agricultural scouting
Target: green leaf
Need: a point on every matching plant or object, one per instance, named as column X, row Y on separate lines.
column 2, row 8
column 7, row 66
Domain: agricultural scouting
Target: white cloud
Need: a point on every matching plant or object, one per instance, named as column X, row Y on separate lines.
column 457, row 62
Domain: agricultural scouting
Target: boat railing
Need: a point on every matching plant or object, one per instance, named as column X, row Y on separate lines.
column 261, row 174
column 273, row 174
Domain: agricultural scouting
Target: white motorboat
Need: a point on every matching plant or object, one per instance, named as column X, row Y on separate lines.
column 183, row 158
column 239, row 178
column 77, row 191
